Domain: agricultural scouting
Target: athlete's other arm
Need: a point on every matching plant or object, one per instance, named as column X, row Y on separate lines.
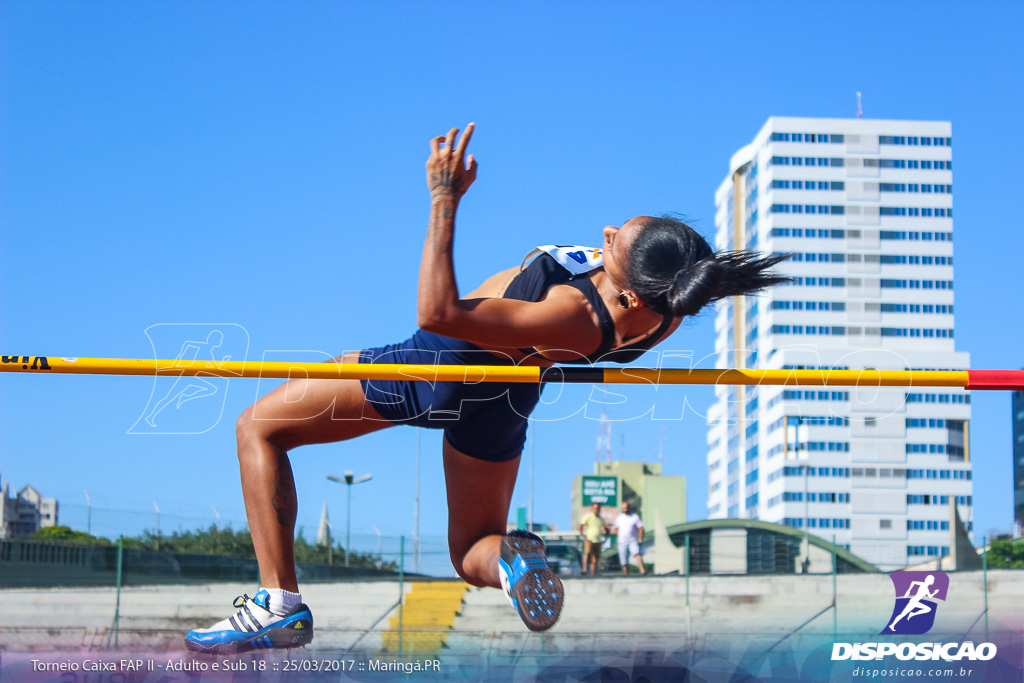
column 559, row 321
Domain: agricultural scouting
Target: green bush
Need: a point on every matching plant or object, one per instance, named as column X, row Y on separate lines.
column 226, row 541
column 1006, row 553
column 63, row 534
column 213, row 541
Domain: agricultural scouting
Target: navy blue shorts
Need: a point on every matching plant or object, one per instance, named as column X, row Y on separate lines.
column 485, row 420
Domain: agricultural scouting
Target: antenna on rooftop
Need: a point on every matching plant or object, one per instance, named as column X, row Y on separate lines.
column 860, row 111
column 604, row 439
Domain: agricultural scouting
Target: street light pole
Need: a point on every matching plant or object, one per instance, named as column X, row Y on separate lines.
column 88, row 514
column 807, row 523
column 806, row 565
column 348, row 480
column 416, row 510
column 533, row 440
column 330, row 542
column 348, row 518
column 157, row 525
column 380, row 548
column 797, row 423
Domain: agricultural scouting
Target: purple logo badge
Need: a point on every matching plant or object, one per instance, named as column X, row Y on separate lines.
column 916, row 593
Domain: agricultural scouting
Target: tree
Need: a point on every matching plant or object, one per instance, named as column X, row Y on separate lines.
column 63, row 534
column 212, row 541
column 1006, row 553
column 225, row 541
column 319, row 554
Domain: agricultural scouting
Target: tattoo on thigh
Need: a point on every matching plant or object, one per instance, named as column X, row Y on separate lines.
column 284, row 500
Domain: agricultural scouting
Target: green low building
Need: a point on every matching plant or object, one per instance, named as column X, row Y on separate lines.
column 640, row 484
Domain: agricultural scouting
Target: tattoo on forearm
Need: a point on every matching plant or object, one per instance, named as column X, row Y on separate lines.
column 443, row 247
column 439, row 230
column 437, row 242
column 442, row 183
column 285, row 501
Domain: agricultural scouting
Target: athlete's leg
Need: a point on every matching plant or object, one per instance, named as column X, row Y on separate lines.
column 297, row 413
column 479, row 495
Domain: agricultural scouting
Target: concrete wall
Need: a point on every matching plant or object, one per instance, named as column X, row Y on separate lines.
column 158, row 617
column 599, row 613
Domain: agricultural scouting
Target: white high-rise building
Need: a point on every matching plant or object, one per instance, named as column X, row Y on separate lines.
column 866, row 209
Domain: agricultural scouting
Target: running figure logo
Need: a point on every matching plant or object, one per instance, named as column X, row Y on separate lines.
column 187, row 404
column 916, row 593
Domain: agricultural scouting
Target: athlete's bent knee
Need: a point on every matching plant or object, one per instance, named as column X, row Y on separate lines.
column 245, row 428
column 465, row 573
column 249, row 429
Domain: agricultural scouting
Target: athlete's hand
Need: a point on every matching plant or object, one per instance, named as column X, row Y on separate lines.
column 449, row 171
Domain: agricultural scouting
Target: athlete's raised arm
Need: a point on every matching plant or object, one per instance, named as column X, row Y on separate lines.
column 448, row 178
column 496, row 323
column 656, row 269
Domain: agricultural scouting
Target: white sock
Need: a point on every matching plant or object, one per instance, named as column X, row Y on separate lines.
column 281, row 601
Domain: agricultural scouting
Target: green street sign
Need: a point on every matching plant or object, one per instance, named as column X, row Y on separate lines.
column 603, row 490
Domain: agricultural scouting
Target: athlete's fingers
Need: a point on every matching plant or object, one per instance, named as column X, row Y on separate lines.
column 435, row 144
column 471, row 172
column 449, row 142
column 464, row 141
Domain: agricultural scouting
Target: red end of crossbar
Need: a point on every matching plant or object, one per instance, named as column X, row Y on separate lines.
column 1006, row 380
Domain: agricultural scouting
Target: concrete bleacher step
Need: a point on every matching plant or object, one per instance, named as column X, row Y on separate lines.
column 428, row 614
column 159, row 616
column 605, row 607
column 595, row 606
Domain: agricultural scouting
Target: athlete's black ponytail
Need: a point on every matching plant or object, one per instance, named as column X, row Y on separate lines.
column 674, row 271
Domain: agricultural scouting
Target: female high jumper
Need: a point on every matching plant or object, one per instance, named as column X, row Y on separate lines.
column 568, row 305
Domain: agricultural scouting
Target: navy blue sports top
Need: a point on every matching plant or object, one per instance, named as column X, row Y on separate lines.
column 545, row 272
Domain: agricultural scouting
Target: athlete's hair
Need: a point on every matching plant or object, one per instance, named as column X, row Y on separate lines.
column 674, row 271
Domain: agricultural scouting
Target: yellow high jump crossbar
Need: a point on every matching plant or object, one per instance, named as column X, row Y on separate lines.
column 1007, row 380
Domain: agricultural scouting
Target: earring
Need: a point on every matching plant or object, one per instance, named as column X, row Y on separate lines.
column 624, row 300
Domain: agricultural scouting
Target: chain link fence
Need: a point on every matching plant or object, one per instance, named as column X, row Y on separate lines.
column 36, row 563
column 762, row 588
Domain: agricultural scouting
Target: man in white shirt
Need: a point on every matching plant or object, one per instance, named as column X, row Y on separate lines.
column 631, row 534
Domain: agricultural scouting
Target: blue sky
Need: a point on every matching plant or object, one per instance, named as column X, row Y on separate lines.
column 259, row 166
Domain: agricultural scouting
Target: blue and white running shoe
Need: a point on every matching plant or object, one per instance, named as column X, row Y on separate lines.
column 254, row 627
column 530, row 586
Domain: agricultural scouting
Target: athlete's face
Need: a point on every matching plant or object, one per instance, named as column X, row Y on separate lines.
column 616, row 249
